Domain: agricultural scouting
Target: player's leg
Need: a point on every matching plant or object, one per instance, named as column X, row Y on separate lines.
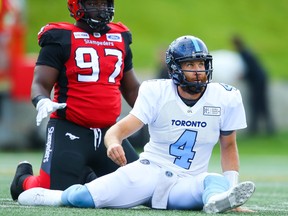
column 213, row 185
column 186, row 194
column 38, row 196
column 68, row 163
column 217, row 197
column 63, row 162
column 77, row 196
column 87, row 175
column 24, row 170
column 101, row 164
column 128, row 186
column 24, row 178
column 130, row 152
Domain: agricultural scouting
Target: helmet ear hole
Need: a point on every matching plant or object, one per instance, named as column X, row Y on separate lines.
column 75, row 8
column 79, row 14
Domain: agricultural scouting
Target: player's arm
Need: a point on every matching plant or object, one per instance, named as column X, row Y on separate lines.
column 229, row 157
column 43, row 80
column 117, row 133
column 129, row 87
column 45, row 76
column 129, row 83
column 46, row 72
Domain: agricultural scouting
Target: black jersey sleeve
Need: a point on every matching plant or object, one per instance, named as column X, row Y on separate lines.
column 55, row 48
column 51, row 55
column 128, row 63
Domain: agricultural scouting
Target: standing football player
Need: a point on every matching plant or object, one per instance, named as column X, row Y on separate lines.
column 186, row 115
column 88, row 65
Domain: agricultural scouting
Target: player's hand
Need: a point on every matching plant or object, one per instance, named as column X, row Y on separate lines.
column 45, row 107
column 116, row 153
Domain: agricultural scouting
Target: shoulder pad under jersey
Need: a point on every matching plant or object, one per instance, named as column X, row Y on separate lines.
column 118, row 27
column 54, row 33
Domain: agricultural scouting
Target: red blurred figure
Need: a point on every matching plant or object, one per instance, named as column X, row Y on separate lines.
column 5, row 35
column 16, row 69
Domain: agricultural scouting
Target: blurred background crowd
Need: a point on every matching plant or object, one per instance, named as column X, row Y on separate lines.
column 247, row 41
column 16, row 70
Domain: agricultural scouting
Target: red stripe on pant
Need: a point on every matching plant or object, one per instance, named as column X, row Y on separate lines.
column 43, row 180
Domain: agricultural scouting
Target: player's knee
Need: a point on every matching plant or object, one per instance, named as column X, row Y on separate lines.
column 77, row 196
column 66, row 194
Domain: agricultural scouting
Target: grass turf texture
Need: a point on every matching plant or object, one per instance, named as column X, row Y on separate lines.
column 262, row 23
column 263, row 160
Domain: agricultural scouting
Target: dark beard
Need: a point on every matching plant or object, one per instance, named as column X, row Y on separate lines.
column 193, row 89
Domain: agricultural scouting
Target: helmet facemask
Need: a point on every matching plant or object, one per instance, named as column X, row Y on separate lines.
column 97, row 16
column 188, row 48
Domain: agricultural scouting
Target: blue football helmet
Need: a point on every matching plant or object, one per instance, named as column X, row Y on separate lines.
column 187, row 48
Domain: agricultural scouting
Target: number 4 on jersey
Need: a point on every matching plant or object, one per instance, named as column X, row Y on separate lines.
column 182, row 149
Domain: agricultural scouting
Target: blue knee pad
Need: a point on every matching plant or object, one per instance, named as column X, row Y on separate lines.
column 77, row 196
column 214, row 184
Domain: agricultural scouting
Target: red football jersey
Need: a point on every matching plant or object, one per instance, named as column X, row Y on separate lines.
column 90, row 79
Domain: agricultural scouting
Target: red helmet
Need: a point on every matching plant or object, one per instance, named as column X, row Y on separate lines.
column 101, row 17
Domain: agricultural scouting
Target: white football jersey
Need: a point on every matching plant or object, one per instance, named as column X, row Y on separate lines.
column 182, row 137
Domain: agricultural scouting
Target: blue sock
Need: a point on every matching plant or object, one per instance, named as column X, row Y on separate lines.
column 214, row 184
column 77, row 196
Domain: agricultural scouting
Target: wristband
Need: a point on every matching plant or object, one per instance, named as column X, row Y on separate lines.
column 36, row 99
column 232, row 176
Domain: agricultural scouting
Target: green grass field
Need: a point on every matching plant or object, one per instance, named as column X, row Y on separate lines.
column 263, row 160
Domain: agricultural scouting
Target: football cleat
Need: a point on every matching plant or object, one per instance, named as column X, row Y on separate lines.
column 231, row 199
column 24, row 169
column 40, row 197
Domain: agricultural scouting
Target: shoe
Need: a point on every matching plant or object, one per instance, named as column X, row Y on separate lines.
column 40, row 197
column 24, row 169
column 231, row 199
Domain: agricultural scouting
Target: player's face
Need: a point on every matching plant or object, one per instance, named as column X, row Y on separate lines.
column 194, row 71
column 95, row 4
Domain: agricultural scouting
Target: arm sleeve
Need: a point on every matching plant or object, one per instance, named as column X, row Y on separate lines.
column 146, row 103
column 234, row 115
column 55, row 46
column 128, row 63
column 51, row 55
